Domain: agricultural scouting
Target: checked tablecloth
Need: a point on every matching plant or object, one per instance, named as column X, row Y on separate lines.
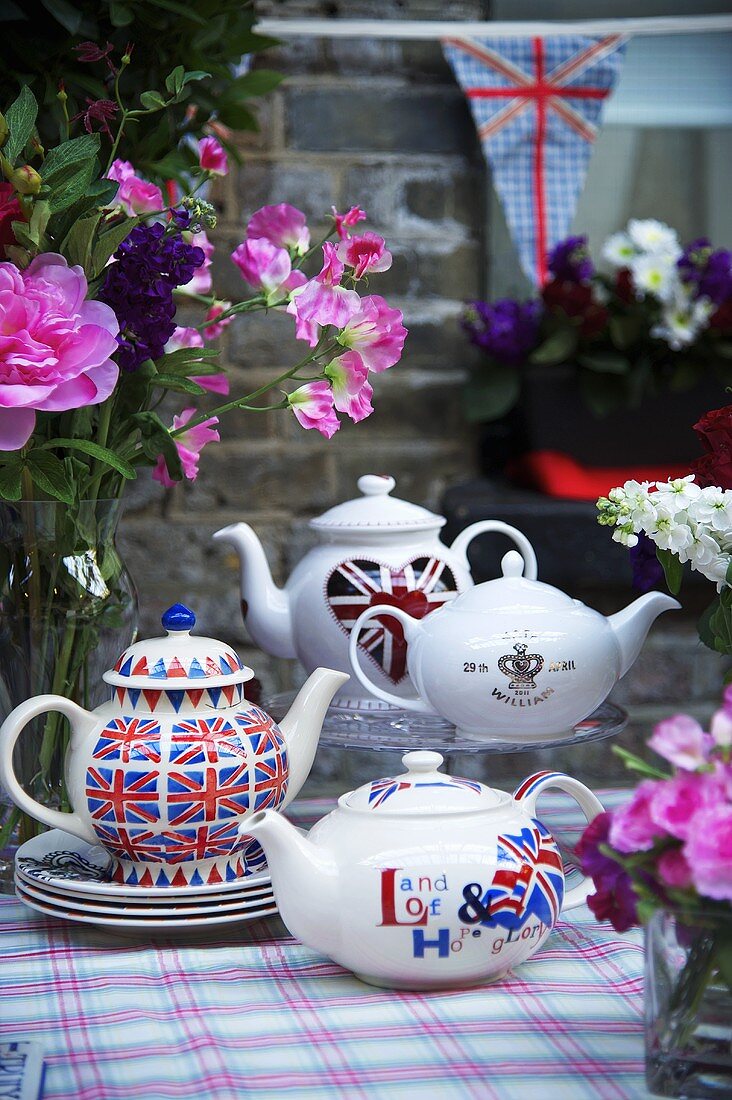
column 252, row 1013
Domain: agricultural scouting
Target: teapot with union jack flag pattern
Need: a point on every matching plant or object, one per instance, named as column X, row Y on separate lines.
column 164, row 773
column 373, row 551
column 424, row 880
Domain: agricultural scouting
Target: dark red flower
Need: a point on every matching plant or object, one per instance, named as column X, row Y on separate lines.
column 98, row 110
column 10, row 211
column 722, row 317
column 615, row 898
column 576, row 300
column 88, row 52
column 624, row 286
column 715, row 435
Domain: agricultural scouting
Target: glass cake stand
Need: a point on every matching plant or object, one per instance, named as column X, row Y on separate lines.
column 386, row 729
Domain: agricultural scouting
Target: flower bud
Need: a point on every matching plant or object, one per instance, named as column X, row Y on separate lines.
column 4, row 131
column 25, row 180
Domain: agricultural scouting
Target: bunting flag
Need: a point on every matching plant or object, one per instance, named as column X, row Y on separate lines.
column 537, row 104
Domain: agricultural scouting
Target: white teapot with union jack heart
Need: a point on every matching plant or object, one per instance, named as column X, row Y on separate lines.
column 374, row 551
column 424, row 880
column 164, row 773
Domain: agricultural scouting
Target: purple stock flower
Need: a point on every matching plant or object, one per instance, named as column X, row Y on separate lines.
column 570, row 261
column 505, row 330
column 709, row 271
column 647, row 569
column 139, row 286
column 615, row 899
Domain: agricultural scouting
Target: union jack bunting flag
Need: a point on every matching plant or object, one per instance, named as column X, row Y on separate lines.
column 537, row 104
column 529, row 881
column 417, row 587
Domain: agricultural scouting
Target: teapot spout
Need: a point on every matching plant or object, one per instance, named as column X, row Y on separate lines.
column 266, row 608
column 304, row 878
column 631, row 625
column 302, row 724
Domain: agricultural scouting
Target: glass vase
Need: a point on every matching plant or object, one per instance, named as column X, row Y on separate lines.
column 68, row 608
column 688, row 1004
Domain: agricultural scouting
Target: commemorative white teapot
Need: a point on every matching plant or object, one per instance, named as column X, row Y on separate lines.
column 514, row 658
column 424, row 881
column 375, row 550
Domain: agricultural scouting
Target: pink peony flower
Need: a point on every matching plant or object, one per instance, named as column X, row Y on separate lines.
column 282, row 225
column 267, row 268
column 675, row 802
column 344, row 222
column 201, row 281
column 312, row 404
column 135, row 195
column 212, row 157
column 673, row 870
column 323, row 300
column 191, row 338
column 632, row 828
column 682, row 741
column 376, row 332
column 352, row 392
column 364, row 254
column 214, row 328
column 708, row 851
column 189, row 446
column 55, row 345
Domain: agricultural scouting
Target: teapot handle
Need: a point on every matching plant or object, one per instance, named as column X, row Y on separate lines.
column 407, row 621
column 527, row 795
column 464, row 539
column 81, row 721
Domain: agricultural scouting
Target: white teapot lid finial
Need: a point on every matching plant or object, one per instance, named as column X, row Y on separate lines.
column 376, row 510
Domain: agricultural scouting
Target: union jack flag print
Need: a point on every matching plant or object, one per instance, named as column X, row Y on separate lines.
column 207, row 794
column 270, row 781
column 204, row 842
column 383, row 789
column 204, row 741
column 125, row 797
column 263, row 733
column 128, row 739
column 138, row 845
column 537, row 104
column 417, row 587
column 529, row 881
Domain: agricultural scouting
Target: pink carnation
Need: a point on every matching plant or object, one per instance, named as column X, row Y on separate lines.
column 322, row 300
column 282, row 225
column 675, row 802
column 55, row 345
column 135, row 195
column 364, row 254
column 682, row 741
column 352, row 392
column 312, row 404
column 376, row 332
column 708, row 851
column 344, row 222
column 189, row 446
column 673, row 869
column 632, row 828
column 212, row 157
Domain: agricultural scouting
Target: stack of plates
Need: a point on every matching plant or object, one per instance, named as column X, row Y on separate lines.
column 67, row 878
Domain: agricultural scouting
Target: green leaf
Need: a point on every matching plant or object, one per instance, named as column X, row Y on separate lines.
column 723, row 348
column 73, row 187
column 157, row 440
column 178, row 384
column 109, row 242
column 715, row 625
column 184, row 355
column 10, row 480
column 152, row 101
column 557, row 348
column 21, row 118
column 77, row 245
column 65, row 13
column 64, row 156
column 604, row 362
column 49, row 474
column 256, row 82
column 625, row 331
column 491, row 393
column 103, row 454
column 120, row 15
column 602, row 393
column 174, row 80
column 195, row 75
column 673, row 570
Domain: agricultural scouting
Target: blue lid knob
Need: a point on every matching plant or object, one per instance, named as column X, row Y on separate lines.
column 178, row 617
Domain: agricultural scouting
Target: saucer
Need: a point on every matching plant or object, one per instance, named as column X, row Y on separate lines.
column 259, row 900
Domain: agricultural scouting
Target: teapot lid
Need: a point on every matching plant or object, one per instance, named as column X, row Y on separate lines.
column 423, row 789
column 509, row 591
column 376, row 509
column 178, row 660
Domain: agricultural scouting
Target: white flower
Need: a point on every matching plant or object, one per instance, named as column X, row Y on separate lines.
column 716, row 570
column 618, row 250
column 713, row 507
column 670, row 534
column 653, row 236
column 637, row 500
column 624, row 535
column 677, row 495
column 703, row 551
column 682, row 319
column 656, row 274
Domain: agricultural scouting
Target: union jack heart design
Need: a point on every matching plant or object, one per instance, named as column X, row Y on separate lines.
column 418, row 587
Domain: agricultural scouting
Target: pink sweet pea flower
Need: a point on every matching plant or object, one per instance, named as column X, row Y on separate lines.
column 323, row 300
column 267, row 268
column 135, row 195
column 344, row 222
column 201, row 281
column 312, row 404
column 376, row 333
column 364, row 254
column 214, row 327
column 675, row 802
column 632, row 828
column 352, row 392
column 191, row 338
column 682, row 742
column 708, row 851
column 673, row 869
column 55, row 346
column 189, row 446
column 212, row 157
column 282, row 225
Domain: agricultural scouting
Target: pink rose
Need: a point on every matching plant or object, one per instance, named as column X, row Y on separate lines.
column 55, row 345
column 708, row 851
column 322, row 300
column 675, row 802
column 344, row 222
column 352, row 392
column 282, row 225
column 376, row 332
column 135, row 195
column 682, row 741
column 312, row 404
column 632, row 828
column 364, row 254
column 673, row 870
column 189, row 446
column 212, row 157
column 267, row 268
